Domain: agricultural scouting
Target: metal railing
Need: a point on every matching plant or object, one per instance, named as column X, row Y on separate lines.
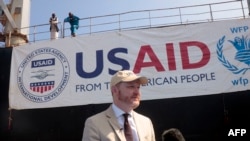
column 146, row 19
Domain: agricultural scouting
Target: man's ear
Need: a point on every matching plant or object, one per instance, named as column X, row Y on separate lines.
column 114, row 89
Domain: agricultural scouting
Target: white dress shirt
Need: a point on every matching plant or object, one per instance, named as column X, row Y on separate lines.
column 119, row 115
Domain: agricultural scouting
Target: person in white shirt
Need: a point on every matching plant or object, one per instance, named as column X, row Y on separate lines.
column 53, row 27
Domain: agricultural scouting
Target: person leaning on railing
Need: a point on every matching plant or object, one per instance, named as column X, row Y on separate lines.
column 53, row 20
column 74, row 23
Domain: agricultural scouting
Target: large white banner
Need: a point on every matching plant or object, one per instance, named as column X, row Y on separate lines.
column 180, row 61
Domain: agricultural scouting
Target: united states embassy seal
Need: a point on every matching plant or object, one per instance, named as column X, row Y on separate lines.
column 43, row 75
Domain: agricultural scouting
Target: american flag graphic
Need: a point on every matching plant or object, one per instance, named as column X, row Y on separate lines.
column 42, row 87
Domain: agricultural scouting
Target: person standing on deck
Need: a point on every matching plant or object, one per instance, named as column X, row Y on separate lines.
column 53, row 27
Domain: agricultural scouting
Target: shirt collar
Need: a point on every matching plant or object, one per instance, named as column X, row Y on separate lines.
column 118, row 112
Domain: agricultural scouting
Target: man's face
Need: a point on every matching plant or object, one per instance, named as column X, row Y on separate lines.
column 128, row 94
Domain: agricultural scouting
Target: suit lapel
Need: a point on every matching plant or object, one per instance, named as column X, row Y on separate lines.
column 139, row 125
column 114, row 123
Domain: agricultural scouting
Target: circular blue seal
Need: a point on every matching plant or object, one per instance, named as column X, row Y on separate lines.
column 43, row 75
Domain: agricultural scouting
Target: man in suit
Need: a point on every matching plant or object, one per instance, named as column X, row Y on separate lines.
column 109, row 124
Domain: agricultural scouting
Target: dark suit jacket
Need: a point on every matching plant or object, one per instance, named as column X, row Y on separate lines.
column 104, row 127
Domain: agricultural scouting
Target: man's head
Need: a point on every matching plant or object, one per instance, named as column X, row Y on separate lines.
column 125, row 88
column 53, row 15
column 70, row 14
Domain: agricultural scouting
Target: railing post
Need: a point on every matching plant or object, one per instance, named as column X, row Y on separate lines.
column 34, row 34
column 248, row 7
column 211, row 13
column 63, row 30
column 119, row 22
column 90, row 25
column 180, row 15
column 149, row 17
column 242, row 7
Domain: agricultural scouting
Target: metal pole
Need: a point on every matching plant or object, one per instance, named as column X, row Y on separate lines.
column 248, row 4
column 8, row 14
column 8, row 41
column 63, row 30
column 119, row 22
column 90, row 25
column 180, row 15
column 242, row 7
column 149, row 17
column 211, row 12
column 34, row 34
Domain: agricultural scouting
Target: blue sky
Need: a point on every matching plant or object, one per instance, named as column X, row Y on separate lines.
column 41, row 9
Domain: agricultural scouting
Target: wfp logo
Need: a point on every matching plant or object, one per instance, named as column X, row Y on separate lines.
column 242, row 46
column 43, row 75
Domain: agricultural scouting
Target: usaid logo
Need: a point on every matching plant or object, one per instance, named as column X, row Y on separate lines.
column 241, row 57
column 43, row 63
column 43, row 75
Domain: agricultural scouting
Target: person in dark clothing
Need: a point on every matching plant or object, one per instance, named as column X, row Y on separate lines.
column 172, row 134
